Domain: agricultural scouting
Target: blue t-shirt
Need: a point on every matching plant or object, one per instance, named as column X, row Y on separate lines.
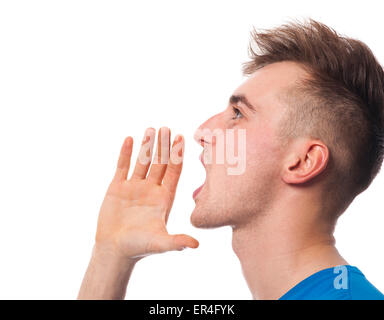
column 338, row 283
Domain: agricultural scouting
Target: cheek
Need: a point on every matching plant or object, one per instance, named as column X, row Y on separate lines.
column 263, row 150
column 262, row 154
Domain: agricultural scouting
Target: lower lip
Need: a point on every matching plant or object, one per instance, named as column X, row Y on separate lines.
column 197, row 191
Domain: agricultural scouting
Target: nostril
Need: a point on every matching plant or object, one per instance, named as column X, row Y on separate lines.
column 202, row 136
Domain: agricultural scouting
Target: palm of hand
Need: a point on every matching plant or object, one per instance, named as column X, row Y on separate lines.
column 134, row 212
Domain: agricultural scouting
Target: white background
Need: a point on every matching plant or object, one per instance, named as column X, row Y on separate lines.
column 76, row 77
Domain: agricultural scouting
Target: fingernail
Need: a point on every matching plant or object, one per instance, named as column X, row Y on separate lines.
column 147, row 134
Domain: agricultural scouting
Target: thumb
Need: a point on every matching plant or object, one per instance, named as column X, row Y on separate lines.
column 181, row 241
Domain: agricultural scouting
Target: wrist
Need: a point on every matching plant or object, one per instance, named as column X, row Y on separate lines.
column 103, row 254
column 107, row 275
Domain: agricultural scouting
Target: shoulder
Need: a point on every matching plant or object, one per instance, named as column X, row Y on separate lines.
column 338, row 283
column 361, row 288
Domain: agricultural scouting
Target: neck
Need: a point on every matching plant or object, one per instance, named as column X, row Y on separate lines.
column 283, row 247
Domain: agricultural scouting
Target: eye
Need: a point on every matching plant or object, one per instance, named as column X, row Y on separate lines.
column 237, row 113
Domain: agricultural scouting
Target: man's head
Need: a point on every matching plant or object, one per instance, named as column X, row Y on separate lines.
column 314, row 125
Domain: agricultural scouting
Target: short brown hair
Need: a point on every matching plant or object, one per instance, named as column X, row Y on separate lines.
column 341, row 103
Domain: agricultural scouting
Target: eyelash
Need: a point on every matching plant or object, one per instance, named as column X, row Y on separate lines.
column 237, row 113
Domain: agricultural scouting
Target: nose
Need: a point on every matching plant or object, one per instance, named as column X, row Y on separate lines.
column 199, row 138
column 204, row 133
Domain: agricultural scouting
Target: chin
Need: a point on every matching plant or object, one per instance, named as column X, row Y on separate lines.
column 207, row 219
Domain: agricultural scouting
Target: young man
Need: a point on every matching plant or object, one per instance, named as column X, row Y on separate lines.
column 313, row 114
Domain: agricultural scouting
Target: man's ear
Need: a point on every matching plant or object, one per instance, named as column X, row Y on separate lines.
column 306, row 160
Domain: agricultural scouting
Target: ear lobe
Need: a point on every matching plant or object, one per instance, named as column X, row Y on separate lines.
column 314, row 161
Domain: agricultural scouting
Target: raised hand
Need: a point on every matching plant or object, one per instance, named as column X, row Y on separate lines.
column 134, row 214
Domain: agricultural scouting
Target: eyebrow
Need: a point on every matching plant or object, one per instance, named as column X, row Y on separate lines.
column 235, row 98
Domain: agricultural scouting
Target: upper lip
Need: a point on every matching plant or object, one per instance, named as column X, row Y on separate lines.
column 201, row 159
